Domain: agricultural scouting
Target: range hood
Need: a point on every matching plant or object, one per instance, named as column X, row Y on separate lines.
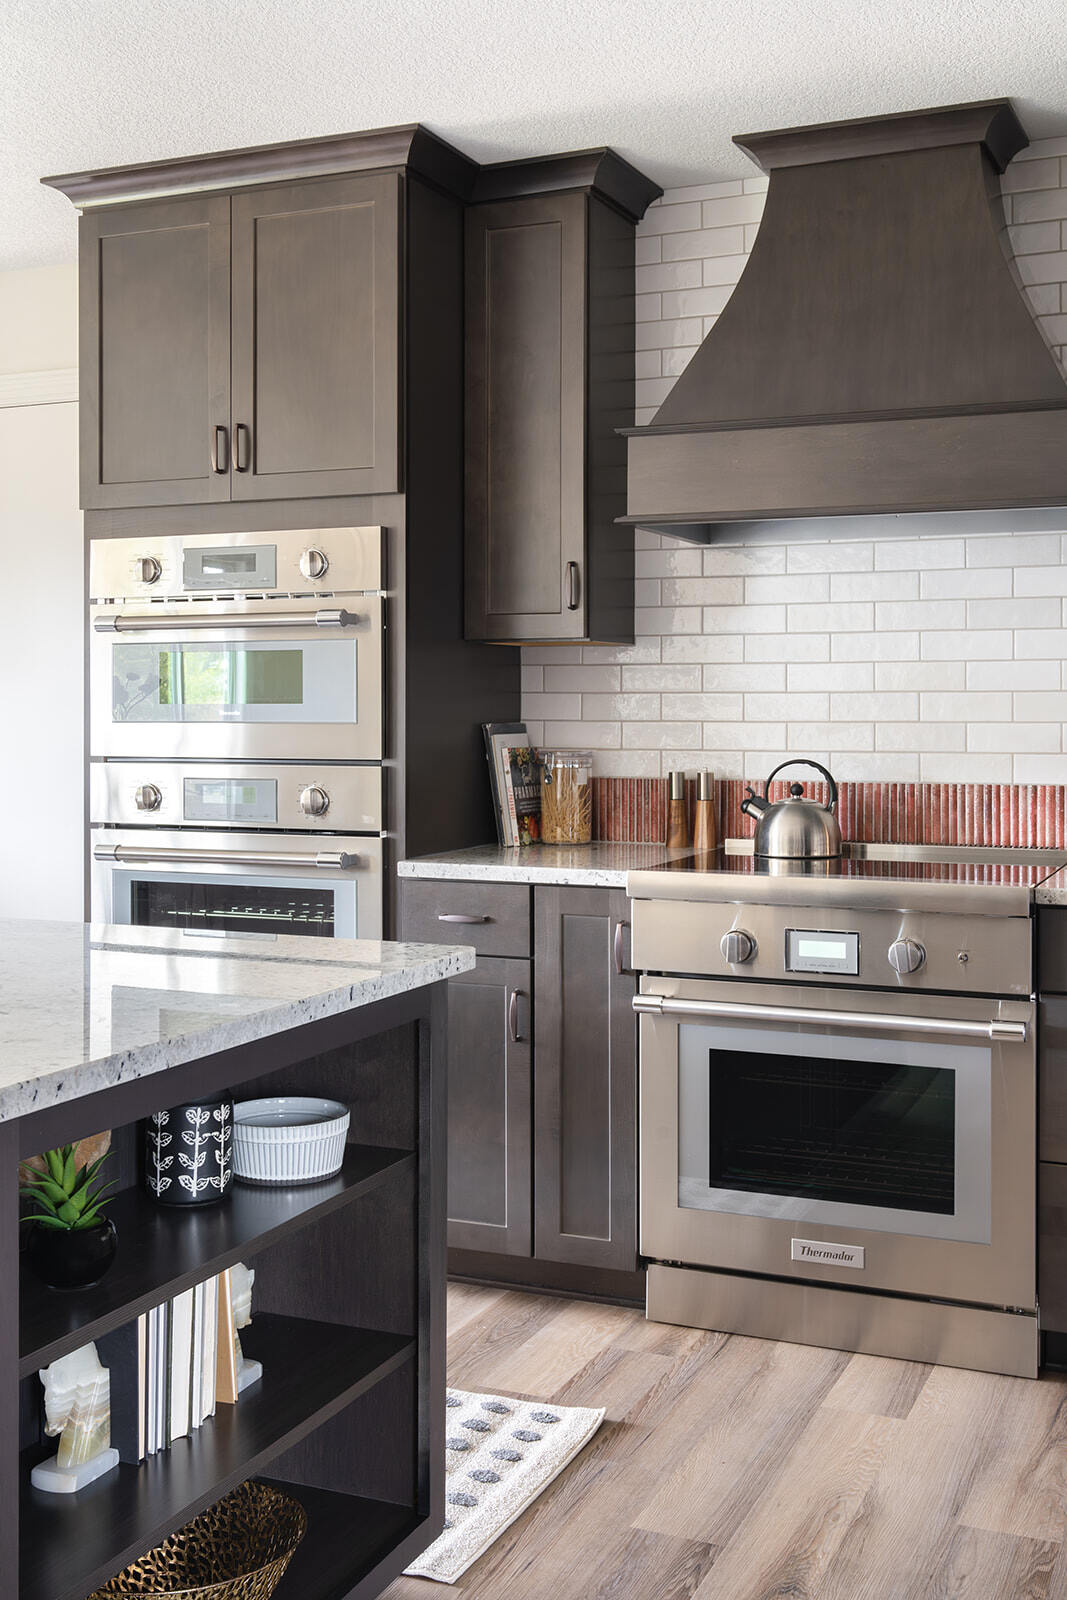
column 878, row 354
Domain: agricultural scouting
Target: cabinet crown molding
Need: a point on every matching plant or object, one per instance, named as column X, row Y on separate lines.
column 411, row 146
column 601, row 171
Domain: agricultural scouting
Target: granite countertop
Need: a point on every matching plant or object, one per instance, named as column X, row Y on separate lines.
column 85, row 1007
column 1053, row 892
column 598, row 865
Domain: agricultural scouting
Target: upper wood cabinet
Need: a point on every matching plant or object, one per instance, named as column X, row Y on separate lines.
column 155, row 352
column 242, row 346
column 549, row 381
column 315, row 338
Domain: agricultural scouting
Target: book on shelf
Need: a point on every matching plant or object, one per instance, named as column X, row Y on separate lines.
column 499, row 739
column 124, row 1352
column 226, row 1351
column 524, row 779
column 180, row 1366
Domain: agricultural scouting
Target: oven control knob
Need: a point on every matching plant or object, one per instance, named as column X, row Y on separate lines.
column 148, row 797
column 737, row 946
column 313, row 563
column 906, row 955
column 148, row 568
column 314, row 801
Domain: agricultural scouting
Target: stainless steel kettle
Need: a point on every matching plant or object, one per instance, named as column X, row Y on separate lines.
column 795, row 829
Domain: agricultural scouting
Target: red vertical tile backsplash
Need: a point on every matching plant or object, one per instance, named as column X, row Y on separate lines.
column 883, row 813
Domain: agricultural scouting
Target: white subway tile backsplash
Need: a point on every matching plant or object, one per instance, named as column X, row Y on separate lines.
column 749, row 678
column 833, row 557
column 802, row 647
column 970, row 706
column 704, row 591
column 927, row 736
column 923, row 614
column 970, row 583
column 743, row 559
column 938, row 657
column 1018, row 550
column 1025, row 613
column 972, row 644
column 1010, row 674
column 863, row 647
column 835, row 617
column 793, row 587
column 918, row 555
column 874, row 586
column 745, row 619
column 831, row 676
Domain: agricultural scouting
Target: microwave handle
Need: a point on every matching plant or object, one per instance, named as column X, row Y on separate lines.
column 117, row 623
column 322, row 859
column 668, row 1006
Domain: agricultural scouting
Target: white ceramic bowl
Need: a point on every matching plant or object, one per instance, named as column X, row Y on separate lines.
column 290, row 1139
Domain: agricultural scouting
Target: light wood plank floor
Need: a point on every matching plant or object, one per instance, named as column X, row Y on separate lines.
column 738, row 1469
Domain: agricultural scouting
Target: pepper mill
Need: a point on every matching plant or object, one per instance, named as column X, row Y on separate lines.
column 705, row 838
column 677, row 815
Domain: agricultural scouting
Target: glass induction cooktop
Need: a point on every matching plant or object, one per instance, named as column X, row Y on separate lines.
column 900, row 863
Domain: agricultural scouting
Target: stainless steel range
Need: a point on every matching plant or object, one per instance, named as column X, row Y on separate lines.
column 838, row 1085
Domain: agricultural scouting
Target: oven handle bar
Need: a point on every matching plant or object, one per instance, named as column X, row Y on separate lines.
column 666, row 1006
column 117, row 623
column 322, row 859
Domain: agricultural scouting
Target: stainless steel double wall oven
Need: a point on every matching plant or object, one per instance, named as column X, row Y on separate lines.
column 838, row 1090
column 236, row 731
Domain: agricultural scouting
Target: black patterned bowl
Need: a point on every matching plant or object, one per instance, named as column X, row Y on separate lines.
column 238, row 1549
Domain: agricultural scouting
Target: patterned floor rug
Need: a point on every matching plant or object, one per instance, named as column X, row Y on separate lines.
column 499, row 1455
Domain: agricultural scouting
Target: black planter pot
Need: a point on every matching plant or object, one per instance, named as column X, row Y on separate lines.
column 189, row 1153
column 75, row 1258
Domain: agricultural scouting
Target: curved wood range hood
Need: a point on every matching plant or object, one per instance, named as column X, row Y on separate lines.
column 878, row 354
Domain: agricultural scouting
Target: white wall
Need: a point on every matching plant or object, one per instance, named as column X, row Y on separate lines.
column 904, row 658
column 41, row 584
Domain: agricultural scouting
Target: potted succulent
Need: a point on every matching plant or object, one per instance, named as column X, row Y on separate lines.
column 72, row 1243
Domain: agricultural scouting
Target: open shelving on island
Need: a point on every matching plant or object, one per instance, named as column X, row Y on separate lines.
column 348, row 1319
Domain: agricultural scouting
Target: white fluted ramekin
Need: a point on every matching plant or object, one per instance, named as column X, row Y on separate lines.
column 290, row 1139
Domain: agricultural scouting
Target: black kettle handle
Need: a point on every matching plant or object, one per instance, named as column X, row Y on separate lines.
column 802, row 761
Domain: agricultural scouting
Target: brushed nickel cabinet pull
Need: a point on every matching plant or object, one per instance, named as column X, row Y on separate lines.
column 458, row 916
column 574, row 587
column 513, row 1016
column 619, row 965
column 220, row 449
column 242, row 447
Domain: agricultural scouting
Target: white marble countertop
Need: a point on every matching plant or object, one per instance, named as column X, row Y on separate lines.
column 85, row 1007
column 599, row 865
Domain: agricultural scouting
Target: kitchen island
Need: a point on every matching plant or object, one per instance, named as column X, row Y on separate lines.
column 101, row 1026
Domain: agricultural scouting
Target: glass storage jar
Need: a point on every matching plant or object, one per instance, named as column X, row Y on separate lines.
column 567, row 797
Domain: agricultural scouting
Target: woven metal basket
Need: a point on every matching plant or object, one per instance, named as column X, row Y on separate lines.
column 238, row 1549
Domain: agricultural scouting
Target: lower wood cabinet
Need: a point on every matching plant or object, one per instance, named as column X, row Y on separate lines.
column 489, row 1124
column 585, row 1080
column 542, row 1063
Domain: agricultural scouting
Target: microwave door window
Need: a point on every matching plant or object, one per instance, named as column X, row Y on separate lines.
column 261, row 682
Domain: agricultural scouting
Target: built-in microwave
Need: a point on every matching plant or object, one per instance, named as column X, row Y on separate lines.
column 242, row 646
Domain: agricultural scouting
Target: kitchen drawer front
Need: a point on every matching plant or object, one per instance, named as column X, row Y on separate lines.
column 436, row 911
column 1052, row 1245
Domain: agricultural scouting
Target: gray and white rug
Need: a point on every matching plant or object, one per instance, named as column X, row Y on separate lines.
column 500, row 1455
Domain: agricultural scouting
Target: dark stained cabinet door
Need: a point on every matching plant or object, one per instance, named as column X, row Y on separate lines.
column 316, row 338
column 489, row 1055
column 585, row 1080
column 526, row 402
column 155, row 353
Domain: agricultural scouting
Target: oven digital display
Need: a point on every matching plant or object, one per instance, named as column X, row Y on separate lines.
column 245, row 566
column 230, row 800
column 815, row 950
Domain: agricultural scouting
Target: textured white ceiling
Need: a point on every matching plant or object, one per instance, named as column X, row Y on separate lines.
column 87, row 83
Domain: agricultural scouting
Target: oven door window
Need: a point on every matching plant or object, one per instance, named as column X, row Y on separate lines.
column 892, row 1135
column 261, row 681
column 196, row 902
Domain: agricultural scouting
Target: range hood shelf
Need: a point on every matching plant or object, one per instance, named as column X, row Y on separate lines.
column 878, row 355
